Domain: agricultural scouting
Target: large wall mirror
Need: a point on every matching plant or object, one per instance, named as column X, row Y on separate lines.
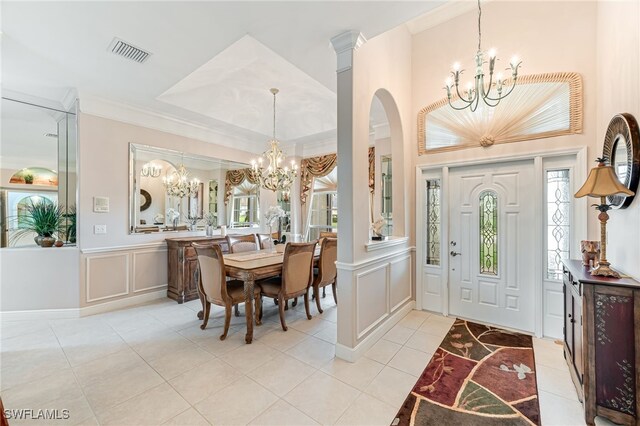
column 622, row 151
column 38, row 159
column 175, row 191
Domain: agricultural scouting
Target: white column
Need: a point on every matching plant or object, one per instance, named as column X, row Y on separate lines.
column 345, row 45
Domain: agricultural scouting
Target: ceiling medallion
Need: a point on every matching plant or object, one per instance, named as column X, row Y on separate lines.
column 274, row 177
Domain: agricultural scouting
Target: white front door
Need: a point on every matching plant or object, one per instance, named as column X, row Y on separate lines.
column 491, row 247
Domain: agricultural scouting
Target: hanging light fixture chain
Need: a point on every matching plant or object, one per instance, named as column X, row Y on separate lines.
column 479, row 27
column 478, row 90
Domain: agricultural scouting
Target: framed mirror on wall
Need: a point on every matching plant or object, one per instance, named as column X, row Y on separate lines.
column 622, row 151
column 167, row 189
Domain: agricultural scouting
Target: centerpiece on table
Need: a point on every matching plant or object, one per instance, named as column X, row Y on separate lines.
column 273, row 214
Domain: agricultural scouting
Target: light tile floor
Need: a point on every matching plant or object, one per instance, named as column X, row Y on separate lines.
column 152, row 364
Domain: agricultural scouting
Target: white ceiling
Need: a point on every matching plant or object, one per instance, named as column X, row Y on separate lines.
column 233, row 88
column 51, row 47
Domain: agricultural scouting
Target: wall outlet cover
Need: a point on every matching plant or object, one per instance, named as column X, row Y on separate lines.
column 99, row 229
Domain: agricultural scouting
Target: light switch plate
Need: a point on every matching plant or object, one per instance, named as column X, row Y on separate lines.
column 99, row 229
column 101, row 204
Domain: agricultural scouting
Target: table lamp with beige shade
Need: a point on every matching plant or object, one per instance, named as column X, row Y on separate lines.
column 601, row 183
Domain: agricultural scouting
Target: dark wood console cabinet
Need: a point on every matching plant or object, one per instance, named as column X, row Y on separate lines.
column 183, row 264
column 602, row 343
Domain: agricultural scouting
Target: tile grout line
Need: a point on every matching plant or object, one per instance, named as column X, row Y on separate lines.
column 75, row 377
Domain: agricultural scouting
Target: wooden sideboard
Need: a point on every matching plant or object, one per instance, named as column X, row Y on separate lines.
column 602, row 343
column 183, row 264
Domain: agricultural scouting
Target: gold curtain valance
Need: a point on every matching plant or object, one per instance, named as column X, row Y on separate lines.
column 235, row 178
column 314, row 167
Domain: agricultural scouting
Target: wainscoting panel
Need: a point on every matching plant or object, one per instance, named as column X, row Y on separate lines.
column 553, row 309
column 375, row 293
column 400, row 281
column 149, row 270
column 372, row 300
column 113, row 274
column 107, row 276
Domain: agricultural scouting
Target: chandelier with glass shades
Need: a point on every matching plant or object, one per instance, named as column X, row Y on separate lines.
column 178, row 184
column 151, row 170
column 476, row 91
column 274, row 177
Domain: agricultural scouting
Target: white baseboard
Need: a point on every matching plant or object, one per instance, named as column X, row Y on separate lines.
column 40, row 314
column 52, row 314
column 123, row 303
column 352, row 354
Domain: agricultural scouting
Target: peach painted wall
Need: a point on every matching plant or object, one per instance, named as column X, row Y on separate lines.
column 549, row 36
column 618, row 59
column 104, row 171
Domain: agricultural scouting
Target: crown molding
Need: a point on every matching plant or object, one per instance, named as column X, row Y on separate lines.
column 442, row 14
column 320, row 147
column 137, row 116
column 57, row 105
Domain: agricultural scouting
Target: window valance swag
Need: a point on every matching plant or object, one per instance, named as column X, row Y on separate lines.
column 317, row 167
column 235, row 178
column 314, row 167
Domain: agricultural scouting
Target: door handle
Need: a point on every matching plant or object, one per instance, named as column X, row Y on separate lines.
column 454, row 254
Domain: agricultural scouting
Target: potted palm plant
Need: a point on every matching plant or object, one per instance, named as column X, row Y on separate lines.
column 42, row 217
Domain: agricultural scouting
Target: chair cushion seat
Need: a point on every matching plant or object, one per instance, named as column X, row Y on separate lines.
column 271, row 287
column 235, row 290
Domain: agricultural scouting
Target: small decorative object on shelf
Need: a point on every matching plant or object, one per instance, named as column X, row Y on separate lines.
column 59, row 243
column 28, row 178
column 211, row 220
column 173, row 216
column 590, row 252
column 193, row 223
column 377, row 228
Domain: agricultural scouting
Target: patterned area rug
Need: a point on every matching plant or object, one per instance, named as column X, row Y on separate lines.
column 479, row 375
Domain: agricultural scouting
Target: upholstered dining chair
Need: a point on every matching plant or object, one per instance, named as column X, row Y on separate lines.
column 326, row 234
column 239, row 244
column 296, row 278
column 215, row 288
column 242, row 243
column 266, row 241
column 326, row 273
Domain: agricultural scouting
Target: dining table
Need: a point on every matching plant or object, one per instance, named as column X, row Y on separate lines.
column 249, row 267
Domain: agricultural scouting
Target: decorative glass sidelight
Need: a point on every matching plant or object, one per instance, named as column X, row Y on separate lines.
column 433, row 222
column 558, row 221
column 489, row 233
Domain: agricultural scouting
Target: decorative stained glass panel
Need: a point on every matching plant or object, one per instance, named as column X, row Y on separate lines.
column 489, row 233
column 433, row 221
column 558, row 221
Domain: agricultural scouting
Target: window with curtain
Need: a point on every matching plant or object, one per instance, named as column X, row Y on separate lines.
column 245, row 211
column 323, row 215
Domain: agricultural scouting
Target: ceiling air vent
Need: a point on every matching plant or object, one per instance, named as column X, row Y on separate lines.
column 128, row 51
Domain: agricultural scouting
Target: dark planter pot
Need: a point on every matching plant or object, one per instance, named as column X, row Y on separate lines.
column 38, row 239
